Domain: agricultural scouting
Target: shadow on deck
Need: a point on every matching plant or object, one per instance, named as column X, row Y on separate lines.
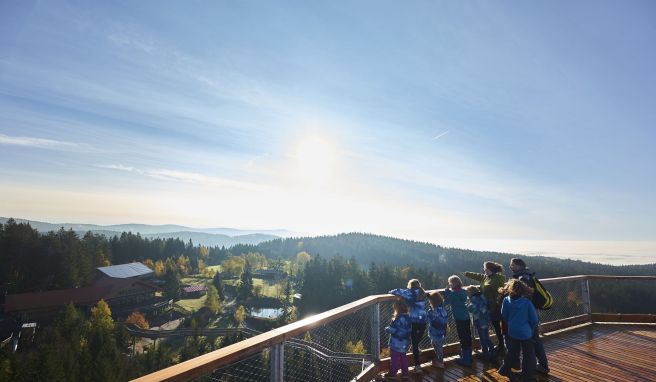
column 592, row 352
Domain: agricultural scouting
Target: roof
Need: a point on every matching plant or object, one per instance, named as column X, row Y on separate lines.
column 88, row 295
column 195, row 288
column 123, row 271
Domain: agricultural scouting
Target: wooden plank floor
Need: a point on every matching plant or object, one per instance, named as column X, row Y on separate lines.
column 597, row 352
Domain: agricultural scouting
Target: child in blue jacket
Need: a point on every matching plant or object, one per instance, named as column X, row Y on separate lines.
column 522, row 320
column 399, row 341
column 415, row 297
column 478, row 307
column 456, row 297
column 438, row 319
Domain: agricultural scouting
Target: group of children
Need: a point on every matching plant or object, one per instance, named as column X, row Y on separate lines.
column 495, row 301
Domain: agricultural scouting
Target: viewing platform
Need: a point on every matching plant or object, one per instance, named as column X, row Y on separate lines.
column 583, row 341
column 589, row 352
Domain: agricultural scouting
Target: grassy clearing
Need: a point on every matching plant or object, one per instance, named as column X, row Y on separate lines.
column 190, row 280
column 269, row 288
column 189, row 305
column 214, row 268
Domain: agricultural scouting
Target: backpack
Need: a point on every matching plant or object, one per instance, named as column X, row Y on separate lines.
column 542, row 299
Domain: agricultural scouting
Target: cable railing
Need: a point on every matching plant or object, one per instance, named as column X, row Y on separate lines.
column 323, row 347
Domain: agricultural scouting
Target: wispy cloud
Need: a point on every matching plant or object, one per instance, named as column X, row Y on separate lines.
column 117, row 167
column 192, row 177
column 440, row 135
column 41, row 143
column 182, row 176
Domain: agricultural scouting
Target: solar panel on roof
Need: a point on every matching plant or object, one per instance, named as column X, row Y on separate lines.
column 123, row 271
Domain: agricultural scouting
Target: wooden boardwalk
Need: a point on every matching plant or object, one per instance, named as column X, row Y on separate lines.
column 591, row 353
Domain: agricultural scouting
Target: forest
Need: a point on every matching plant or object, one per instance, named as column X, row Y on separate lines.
column 327, row 271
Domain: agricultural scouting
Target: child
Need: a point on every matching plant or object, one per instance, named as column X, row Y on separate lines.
column 477, row 306
column 457, row 298
column 491, row 280
column 399, row 341
column 438, row 319
column 415, row 297
column 522, row 320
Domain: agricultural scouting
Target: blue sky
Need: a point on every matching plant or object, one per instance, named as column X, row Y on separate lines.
column 427, row 120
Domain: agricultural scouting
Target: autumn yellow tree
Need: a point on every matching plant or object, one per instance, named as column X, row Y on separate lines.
column 234, row 265
column 137, row 319
column 355, row 348
column 201, row 266
column 256, row 260
column 212, row 301
column 160, row 268
column 101, row 316
column 183, row 264
column 149, row 263
column 303, row 257
column 240, row 315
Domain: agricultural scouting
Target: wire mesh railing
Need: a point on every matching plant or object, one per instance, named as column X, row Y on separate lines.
column 340, row 344
column 336, row 351
column 255, row 368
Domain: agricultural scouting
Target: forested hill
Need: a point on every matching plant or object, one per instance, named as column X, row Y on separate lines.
column 367, row 248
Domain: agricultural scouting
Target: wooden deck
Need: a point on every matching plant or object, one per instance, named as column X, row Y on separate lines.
column 591, row 353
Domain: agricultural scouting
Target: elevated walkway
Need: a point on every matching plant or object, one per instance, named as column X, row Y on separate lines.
column 588, row 352
column 581, row 345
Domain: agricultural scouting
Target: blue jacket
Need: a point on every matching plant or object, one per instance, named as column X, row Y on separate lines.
column 457, row 299
column 399, row 331
column 477, row 306
column 438, row 319
column 521, row 317
column 416, row 303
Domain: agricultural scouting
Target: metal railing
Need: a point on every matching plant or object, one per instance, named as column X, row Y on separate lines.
column 349, row 342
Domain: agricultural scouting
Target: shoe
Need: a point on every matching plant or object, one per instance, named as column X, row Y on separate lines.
column 465, row 357
column 505, row 373
column 515, row 371
column 405, row 377
column 417, row 369
column 541, row 369
column 438, row 364
column 389, row 377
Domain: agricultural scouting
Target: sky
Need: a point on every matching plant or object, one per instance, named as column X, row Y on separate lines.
column 429, row 120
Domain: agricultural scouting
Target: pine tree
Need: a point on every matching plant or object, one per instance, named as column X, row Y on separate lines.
column 218, row 284
column 245, row 289
column 172, row 283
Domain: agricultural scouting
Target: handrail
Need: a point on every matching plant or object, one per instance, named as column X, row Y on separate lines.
column 136, row 331
column 6, row 340
column 208, row 362
column 594, row 277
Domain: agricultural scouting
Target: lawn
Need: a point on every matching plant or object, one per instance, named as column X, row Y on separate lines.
column 189, row 305
column 214, row 268
column 269, row 288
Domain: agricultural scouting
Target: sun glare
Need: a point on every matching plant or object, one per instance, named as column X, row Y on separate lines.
column 315, row 159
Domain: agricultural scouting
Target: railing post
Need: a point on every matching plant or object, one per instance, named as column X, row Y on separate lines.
column 585, row 295
column 277, row 360
column 375, row 332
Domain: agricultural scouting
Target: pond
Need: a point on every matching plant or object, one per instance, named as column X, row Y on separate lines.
column 271, row 313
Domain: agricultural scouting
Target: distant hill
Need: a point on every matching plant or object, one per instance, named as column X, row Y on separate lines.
column 367, row 248
column 205, row 236
column 213, row 240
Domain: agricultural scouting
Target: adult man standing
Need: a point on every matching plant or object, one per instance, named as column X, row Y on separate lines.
column 523, row 273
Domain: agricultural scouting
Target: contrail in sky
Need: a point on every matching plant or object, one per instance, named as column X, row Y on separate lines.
column 440, row 135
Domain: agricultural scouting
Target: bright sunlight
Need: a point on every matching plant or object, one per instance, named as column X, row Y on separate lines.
column 315, row 158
